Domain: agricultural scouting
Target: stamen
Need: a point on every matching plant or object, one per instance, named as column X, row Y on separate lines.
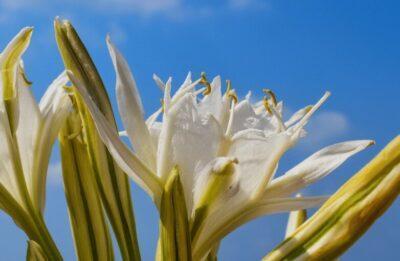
column 204, row 81
column 228, row 86
column 272, row 95
column 228, row 131
column 271, row 110
column 162, row 105
column 232, row 95
column 266, row 105
column 304, row 120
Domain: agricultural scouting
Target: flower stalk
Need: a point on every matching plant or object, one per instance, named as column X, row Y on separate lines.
column 174, row 241
column 349, row 213
column 113, row 185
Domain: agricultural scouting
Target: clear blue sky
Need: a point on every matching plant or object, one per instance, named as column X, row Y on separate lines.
column 297, row 48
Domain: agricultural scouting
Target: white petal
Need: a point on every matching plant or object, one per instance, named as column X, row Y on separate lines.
column 298, row 115
column 315, row 167
column 187, row 140
column 203, row 176
column 258, row 157
column 131, row 109
column 246, row 118
column 8, row 173
column 215, row 103
column 27, row 122
column 54, row 108
column 308, row 115
column 159, row 82
column 126, row 160
column 216, row 230
column 186, row 83
column 10, row 60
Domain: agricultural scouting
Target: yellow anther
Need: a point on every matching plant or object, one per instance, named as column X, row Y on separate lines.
column 204, row 81
column 267, row 106
column 232, row 95
column 272, row 95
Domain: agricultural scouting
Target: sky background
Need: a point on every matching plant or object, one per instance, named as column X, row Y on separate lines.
column 297, row 48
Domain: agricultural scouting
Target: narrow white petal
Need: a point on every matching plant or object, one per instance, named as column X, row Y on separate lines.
column 126, row 160
column 8, row 173
column 167, row 96
column 308, row 115
column 315, row 167
column 54, row 108
column 131, row 109
column 215, row 230
column 298, row 115
column 159, row 82
column 27, row 123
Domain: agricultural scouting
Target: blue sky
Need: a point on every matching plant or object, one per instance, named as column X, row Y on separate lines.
column 297, row 48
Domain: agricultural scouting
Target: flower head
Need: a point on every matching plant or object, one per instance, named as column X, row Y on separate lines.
column 227, row 151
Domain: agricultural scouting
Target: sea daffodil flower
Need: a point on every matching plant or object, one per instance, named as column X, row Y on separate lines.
column 28, row 131
column 227, row 151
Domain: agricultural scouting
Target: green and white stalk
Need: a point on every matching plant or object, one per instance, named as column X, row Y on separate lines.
column 88, row 222
column 174, row 242
column 113, row 184
column 349, row 213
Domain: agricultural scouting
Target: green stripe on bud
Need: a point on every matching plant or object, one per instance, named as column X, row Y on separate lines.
column 174, row 242
column 113, row 184
column 349, row 213
column 91, row 236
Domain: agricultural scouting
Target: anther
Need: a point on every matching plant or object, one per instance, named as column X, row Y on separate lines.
column 272, row 95
column 266, row 105
column 204, row 81
column 232, row 95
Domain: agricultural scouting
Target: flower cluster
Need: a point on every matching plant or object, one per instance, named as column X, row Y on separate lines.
column 208, row 160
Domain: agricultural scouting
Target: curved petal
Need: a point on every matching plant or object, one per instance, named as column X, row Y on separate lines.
column 9, row 61
column 216, row 231
column 26, row 121
column 258, row 157
column 8, row 175
column 54, row 108
column 131, row 109
column 126, row 160
column 315, row 167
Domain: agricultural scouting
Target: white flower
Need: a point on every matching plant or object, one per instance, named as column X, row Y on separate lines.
column 27, row 129
column 227, row 151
